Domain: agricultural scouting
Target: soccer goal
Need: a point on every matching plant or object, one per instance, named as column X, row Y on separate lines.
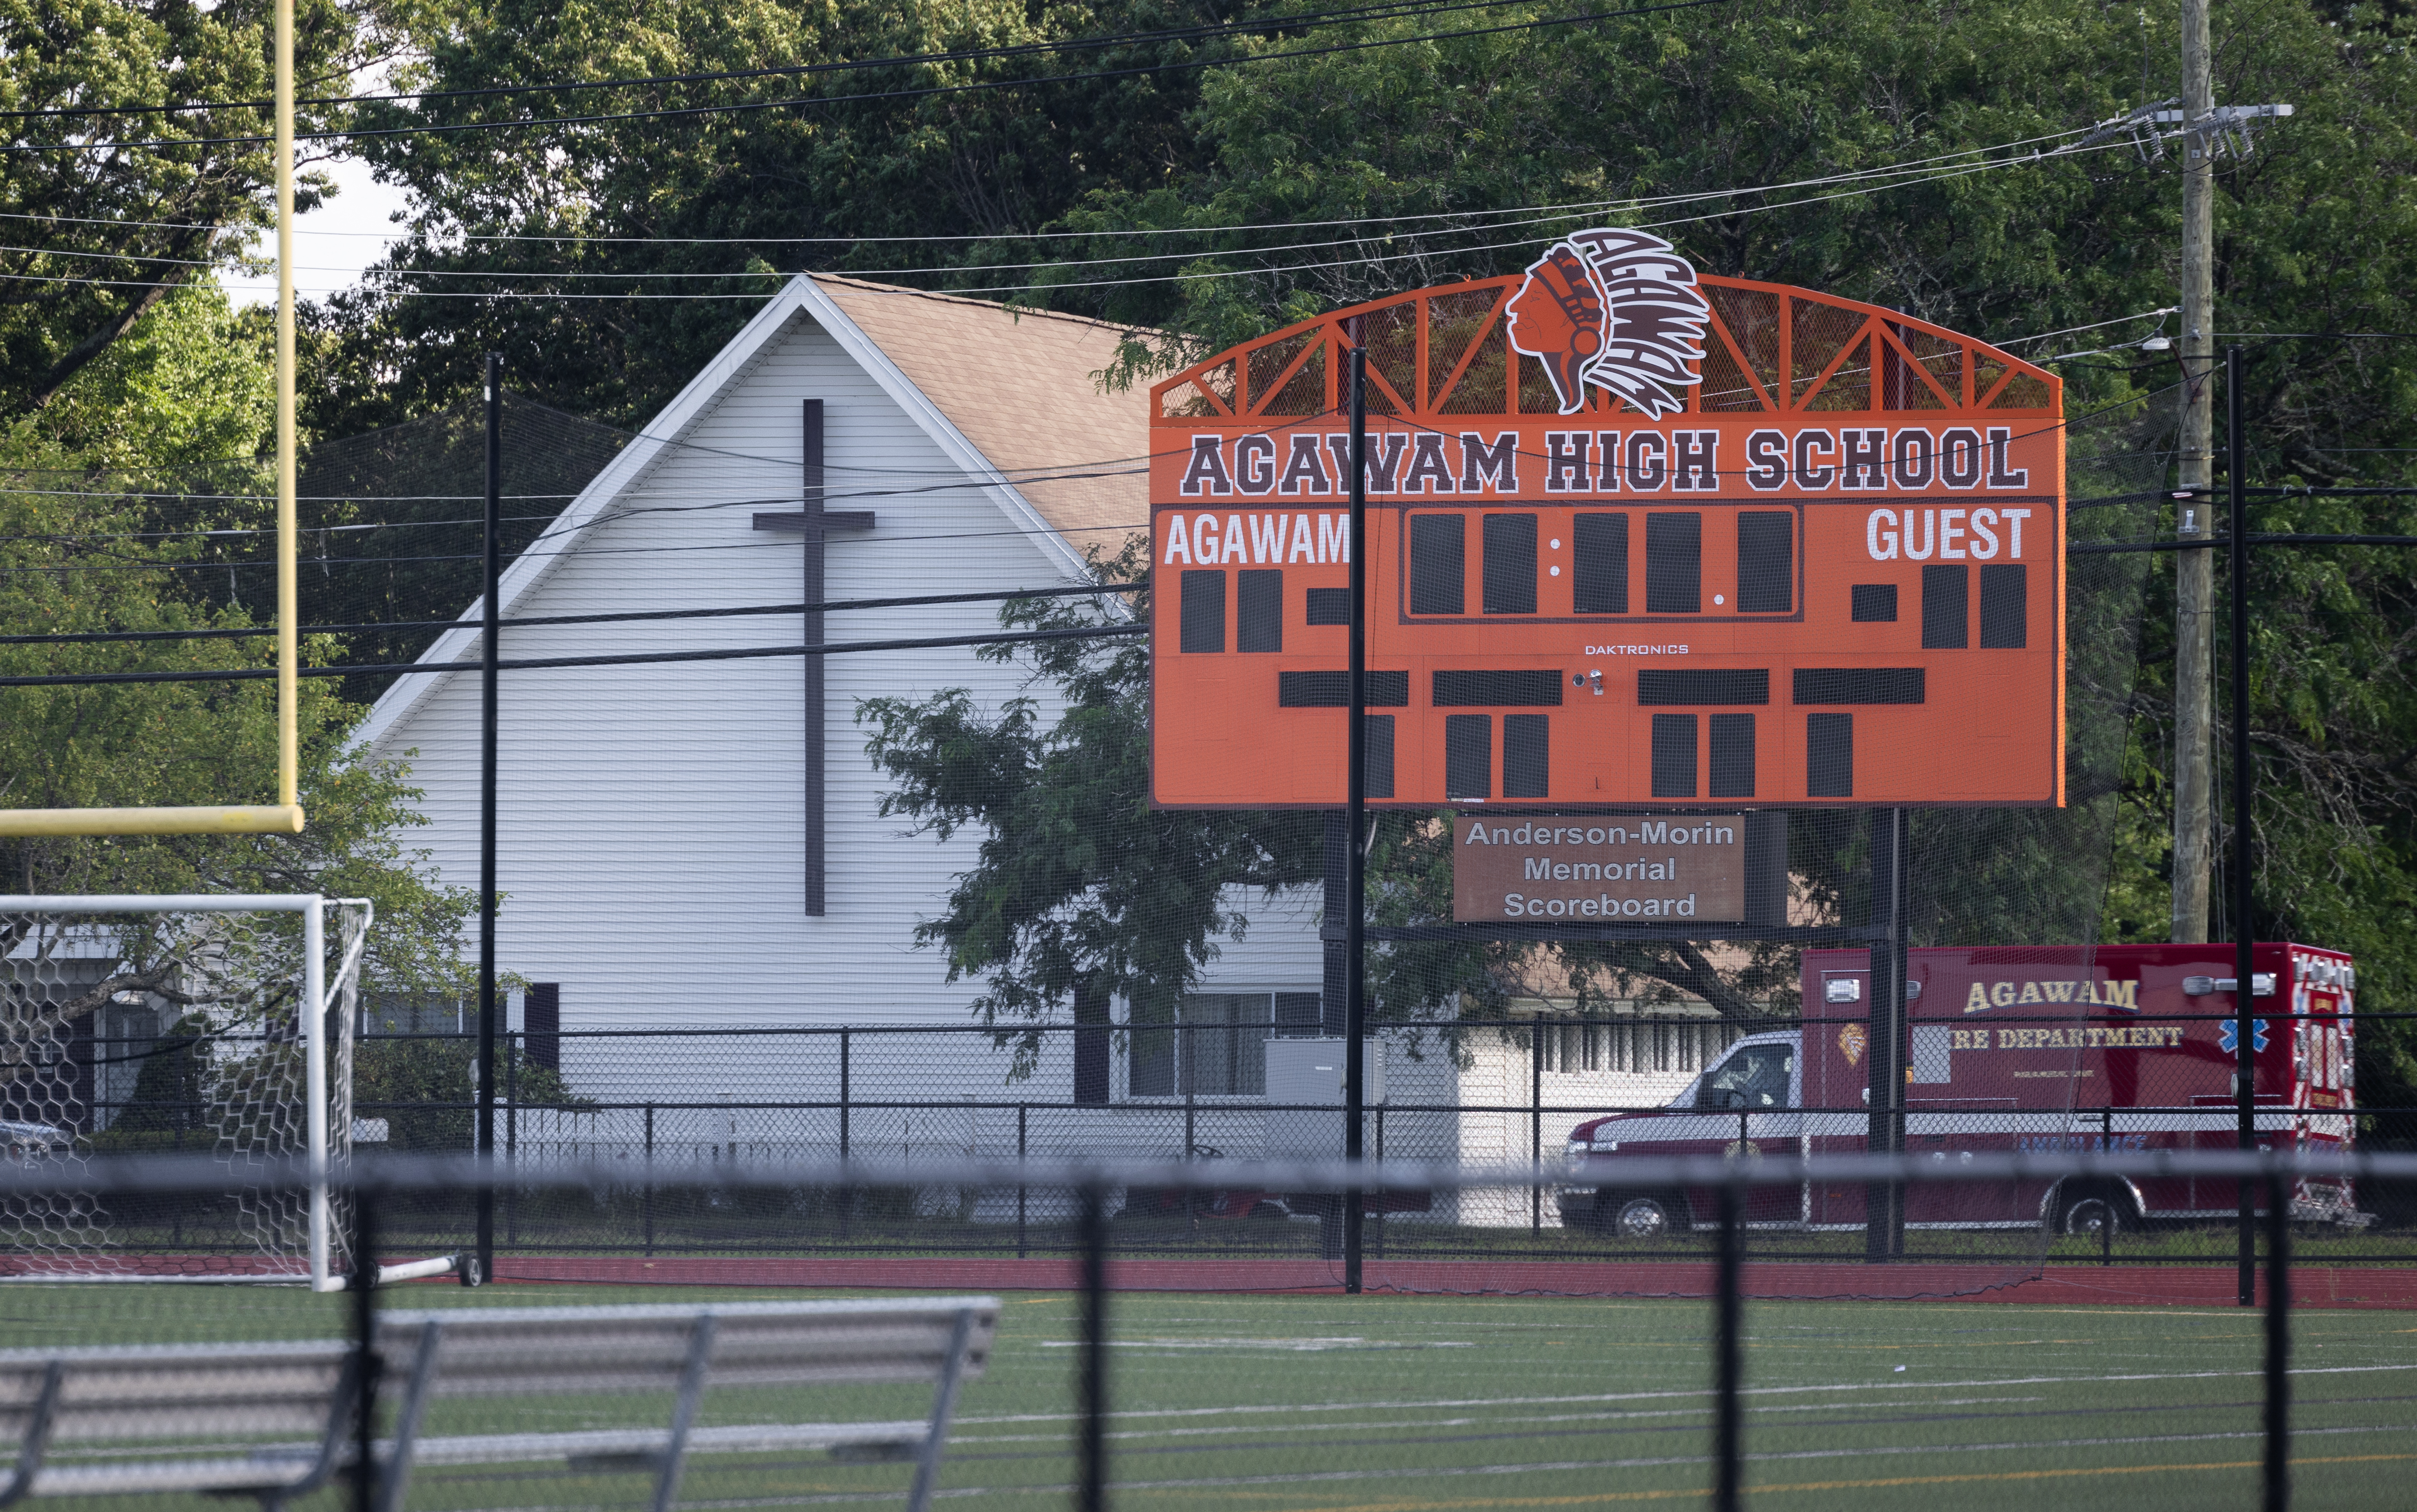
column 214, row 1025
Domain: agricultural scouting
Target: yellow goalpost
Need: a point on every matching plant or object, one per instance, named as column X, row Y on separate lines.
column 284, row 816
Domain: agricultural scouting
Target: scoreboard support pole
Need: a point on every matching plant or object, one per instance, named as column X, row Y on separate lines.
column 2244, row 981
column 1331, row 986
column 1884, row 1202
column 1355, row 810
column 490, row 1008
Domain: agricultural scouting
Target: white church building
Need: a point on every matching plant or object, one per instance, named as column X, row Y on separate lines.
column 687, row 846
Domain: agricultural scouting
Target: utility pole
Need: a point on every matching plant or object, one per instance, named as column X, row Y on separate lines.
column 2195, row 568
column 2206, row 131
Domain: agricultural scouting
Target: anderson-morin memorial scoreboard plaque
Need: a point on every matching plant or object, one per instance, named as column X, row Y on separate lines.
column 1636, row 536
column 1593, row 868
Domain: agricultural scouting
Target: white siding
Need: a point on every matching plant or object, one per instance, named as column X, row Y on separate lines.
column 651, row 826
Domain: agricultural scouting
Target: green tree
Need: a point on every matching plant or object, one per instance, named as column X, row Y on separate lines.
column 1696, row 107
column 1081, row 891
column 2319, row 227
column 105, row 497
column 100, row 237
column 2317, row 230
column 426, row 1088
column 717, row 202
column 194, row 382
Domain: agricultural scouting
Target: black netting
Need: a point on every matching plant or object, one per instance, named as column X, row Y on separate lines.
column 1041, row 965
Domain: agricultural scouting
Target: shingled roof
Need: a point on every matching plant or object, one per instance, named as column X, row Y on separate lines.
column 1022, row 386
column 1010, row 397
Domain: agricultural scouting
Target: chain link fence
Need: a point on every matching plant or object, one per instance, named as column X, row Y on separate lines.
column 1089, row 1375
column 1569, row 1092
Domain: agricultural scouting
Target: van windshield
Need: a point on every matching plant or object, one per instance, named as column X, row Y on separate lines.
column 1755, row 1077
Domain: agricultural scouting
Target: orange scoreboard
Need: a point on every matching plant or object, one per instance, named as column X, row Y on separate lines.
column 1634, row 537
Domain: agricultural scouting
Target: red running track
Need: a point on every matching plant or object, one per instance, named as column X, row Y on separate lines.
column 2185, row 1286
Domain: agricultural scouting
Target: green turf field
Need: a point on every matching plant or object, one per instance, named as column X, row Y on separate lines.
column 1387, row 1405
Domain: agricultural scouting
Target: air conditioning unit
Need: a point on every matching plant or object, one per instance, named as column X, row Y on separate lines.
column 1306, row 1074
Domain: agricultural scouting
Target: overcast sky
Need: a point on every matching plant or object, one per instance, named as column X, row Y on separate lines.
column 331, row 244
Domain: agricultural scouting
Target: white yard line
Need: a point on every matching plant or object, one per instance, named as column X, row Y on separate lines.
column 1463, row 1471
column 1331, row 1426
column 1695, row 1392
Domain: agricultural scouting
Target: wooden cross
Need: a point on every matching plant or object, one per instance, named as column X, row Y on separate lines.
column 814, row 525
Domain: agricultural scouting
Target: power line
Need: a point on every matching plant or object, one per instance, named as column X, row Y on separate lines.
column 2093, row 326
column 1009, row 594
column 1544, row 216
column 329, row 562
column 977, row 86
column 1573, row 207
column 1036, row 476
column 2205, row 542
column 854, row 273
column 1278, row 426
column 1474, row 221
column 1209, row 31
column 2310, row 490
column 1049, row 286
column 837, row 648
column 244, row 674
column 1868, row 181
column 2316, row 336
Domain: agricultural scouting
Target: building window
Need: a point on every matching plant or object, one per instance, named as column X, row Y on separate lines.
column 1219, row 1038
column 411, row 1013
column 1300, row 1015
column 1216, row 1047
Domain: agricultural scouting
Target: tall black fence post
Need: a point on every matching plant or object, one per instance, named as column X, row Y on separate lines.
column 648, row 1198
column 365, row 1356
column 1378, row 1246
column 1355, row 810
column 489, row 630
column 1191, row 1137
column 1884, row 1202
column 1727, row 1422
column 2106, row 1142
column 1023, row 1191
column 2278, row 1340
column 1091, row 1492
column 2244, row 932
column 512, row 1048
column 1536, row 1122
column 847, row 1194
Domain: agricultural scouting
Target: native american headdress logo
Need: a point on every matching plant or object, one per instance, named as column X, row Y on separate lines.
column 1618, row 309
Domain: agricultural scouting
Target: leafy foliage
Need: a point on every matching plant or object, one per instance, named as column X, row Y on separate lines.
column 712, row 205
column 101, row 516
column 100, row 238
column 1080, row 884
column 2316, row 229
column 426, row 1087
column 1081, row 890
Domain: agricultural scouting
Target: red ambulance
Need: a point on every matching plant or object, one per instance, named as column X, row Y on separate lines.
column 2010, row 1048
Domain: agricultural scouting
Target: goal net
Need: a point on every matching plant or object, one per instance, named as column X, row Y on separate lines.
column 206, row 1025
